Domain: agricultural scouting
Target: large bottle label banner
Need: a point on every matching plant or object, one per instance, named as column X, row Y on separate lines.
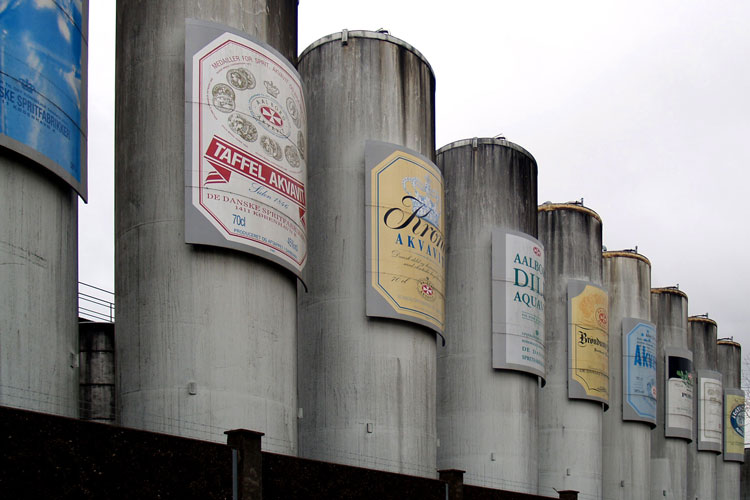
column 638, row 370
column 734, row 425
column 710, row 410
column 679, row 384
column 405, row 227
column 517, row 302
column 43, row 59
column 588, row 342
column 246, row 173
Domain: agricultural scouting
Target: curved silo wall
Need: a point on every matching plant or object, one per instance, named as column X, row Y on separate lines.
column 206, row 336
column 43, row 115
column 729, row 463
column 674, row 425
column 366, row 383
column 707, row 408
column 570, row 430
column 626, row 471
column 489, row 431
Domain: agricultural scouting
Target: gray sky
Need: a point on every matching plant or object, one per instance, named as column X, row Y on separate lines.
column 640, row 108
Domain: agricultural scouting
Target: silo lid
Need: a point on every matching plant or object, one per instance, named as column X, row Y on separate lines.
column 476, row 141
column 345, row 35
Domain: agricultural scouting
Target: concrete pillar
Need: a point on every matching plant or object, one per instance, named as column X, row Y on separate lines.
column 728, row 467
column 206, row 336
column 248, row 463
column 97, row 371
column 366, row 384
column 701, row 458
column 491, row 430
column 626, row 442
column 455, row 480
column 669, row 454
column 570, row 430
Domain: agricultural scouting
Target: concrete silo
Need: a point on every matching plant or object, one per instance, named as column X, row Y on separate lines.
column 490, row 430
column 570, row 405
column 674, row 397
column 707, row 408
column 366, row 383
column 43, row 128
column 627, row 425
column 729, row 463
column 206, row 336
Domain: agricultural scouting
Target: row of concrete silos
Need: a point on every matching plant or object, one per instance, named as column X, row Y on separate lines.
column 211, row 339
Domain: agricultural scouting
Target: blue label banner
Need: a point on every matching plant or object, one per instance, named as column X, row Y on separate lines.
column 42, row 84
column 639, row 370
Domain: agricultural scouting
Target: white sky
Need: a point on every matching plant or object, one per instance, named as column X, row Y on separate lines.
column 639, row 107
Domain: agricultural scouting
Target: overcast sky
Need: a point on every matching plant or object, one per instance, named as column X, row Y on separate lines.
column 641, row 108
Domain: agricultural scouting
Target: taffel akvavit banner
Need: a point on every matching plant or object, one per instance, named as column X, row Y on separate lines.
column 245, row 161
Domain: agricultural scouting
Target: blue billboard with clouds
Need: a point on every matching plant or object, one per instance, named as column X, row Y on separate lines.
column 43, row 52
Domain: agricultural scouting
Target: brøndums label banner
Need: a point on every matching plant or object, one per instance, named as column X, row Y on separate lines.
column 246, row 172
column 405, row 220
column 588, row 342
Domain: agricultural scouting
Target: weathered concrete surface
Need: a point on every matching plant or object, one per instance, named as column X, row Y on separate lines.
column 668, row 455
column 570, row 431
column 220, row 322
column 626, row 470
column 358, row 373
column 487, row 418
column 38, row 288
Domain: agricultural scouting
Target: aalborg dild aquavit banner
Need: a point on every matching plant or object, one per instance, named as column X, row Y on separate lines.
column 518, row 339
column 246, row 173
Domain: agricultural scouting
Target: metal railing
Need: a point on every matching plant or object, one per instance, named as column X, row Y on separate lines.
column 95, row 304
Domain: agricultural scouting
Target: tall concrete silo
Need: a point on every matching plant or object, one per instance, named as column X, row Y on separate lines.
column 707, row 408
column 729, row 463
column 674, row 398
column 570, row 428
column 627, row 425
column 43, row 115
column 366, row 384
column 490, row 430
column 206, row 336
